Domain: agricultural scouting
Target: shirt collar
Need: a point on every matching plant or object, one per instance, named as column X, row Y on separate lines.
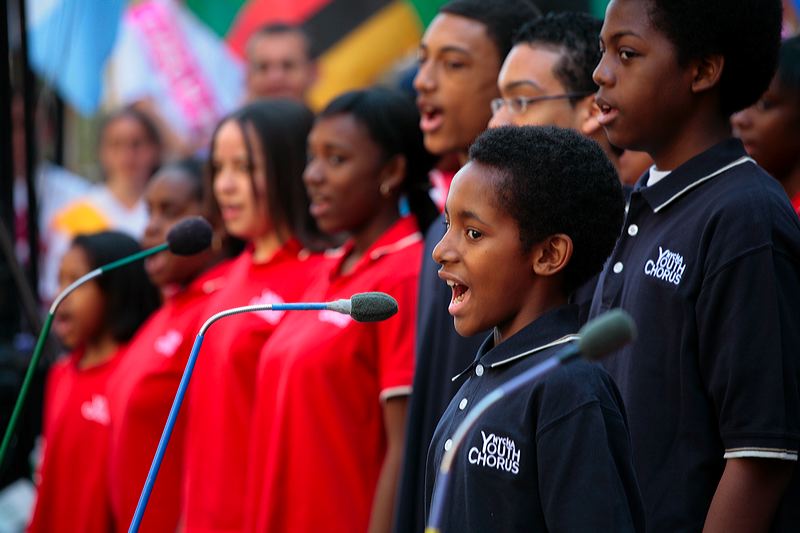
column 557, row 326
column 692, row 173
column 400, row 235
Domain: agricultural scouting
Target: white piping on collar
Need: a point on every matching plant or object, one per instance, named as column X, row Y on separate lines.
column 563, row 340
column 741, row 160
column 395, row 246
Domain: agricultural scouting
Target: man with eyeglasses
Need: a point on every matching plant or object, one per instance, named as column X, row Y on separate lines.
column 546, row 79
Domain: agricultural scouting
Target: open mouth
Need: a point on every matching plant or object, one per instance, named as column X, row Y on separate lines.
column 460, row 295
column 607, row 112
column 431, row 118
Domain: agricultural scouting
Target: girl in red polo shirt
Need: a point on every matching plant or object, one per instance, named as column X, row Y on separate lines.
column 257, row 160
column 141, row 391
column 95, row 322
column 329, row 422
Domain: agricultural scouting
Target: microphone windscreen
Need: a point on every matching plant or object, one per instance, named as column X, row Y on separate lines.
column 372, row 306
column 606, row 333
column 189, row 236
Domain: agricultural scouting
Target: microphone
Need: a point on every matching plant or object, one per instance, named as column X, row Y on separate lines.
column 599, row 337
column 362, row 307
column 189, row 236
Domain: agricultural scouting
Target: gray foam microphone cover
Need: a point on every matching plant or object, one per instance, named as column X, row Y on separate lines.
column 372, row 306
column 606, row 333
column 190, row 236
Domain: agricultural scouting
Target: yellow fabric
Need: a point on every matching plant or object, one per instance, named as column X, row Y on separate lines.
column 80, row 217
column 362, row 56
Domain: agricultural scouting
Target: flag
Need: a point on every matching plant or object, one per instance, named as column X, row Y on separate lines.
column 69, row 44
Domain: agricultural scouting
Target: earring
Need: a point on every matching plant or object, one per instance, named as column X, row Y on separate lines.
column 385, row 189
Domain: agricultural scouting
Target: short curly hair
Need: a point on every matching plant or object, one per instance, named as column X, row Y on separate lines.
column 576, row 35
column 555, row 180
column 746, row 33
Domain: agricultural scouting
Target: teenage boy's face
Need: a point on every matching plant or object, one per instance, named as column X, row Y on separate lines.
column 644, row 94
column 456, row 81
column 770, row 130
column 481, row 257
column 528, row 72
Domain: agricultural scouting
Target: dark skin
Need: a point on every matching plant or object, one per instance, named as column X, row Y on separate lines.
column 496, row 284
column 354, row 188
column 171, row 196
column 770, row 131
column 639, row 68
column 456, row 81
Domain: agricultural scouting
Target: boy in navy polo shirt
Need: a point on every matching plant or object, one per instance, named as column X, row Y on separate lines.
column 708, row 264
column 530, row 217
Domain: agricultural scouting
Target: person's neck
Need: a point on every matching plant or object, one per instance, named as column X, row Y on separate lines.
column 542, row 299
column 366, row 236
column 600, row 137
column 125, row 194
column 698, row 135
column 463, row 157
column 98, row 351
column 264, row 247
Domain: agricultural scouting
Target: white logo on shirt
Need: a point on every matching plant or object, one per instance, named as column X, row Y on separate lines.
column 332, row 317
column 168, row 343
column 268, row 297
column 668, row 267
column 96, row 410
column 497, row 452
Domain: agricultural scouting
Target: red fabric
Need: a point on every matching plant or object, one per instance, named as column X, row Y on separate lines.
column 140, row 395
column 440, row 182
column 73, row 492
column 796, row 203
column 222, row 392
column 318, row 440
column 257, row 13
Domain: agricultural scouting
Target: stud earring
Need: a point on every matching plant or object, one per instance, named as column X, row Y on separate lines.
column 385, row 189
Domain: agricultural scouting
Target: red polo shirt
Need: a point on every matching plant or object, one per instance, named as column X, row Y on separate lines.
column 73, row 492
column 140, row 396
column 318, row 440
column 222, row 392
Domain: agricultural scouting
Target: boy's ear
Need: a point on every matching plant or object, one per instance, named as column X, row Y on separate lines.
column 707, row 72
column 589, row 111
column 551, row 255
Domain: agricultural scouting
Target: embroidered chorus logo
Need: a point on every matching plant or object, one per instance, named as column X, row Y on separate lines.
column 496, row 452
column 668, row 267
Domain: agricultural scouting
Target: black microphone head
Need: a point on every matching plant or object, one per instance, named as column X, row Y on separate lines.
column 606, row 333
column 190, row 236
column 372, row 306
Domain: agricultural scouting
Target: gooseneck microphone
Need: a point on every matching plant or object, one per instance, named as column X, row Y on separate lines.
column 188, row 237
column 599, row 337
column 362, row 307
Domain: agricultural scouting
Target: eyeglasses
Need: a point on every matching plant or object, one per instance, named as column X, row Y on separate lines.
column 519, row 104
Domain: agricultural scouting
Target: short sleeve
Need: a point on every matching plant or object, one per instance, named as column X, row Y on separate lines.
column 748, row 318
column 395, row 341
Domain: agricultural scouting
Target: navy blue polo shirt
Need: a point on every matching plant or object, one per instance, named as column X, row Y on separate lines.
column 553, row 456
column 440, row 354
column 708, row 265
